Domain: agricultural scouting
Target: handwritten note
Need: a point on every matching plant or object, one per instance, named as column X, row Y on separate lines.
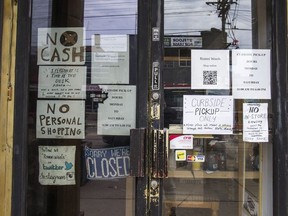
column 62, row 82
column 57, row 165
column 61, row 46
column 204, row 114
column 60, row 119
column 255, row 122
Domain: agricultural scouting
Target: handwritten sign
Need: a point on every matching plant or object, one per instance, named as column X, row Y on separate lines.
column 107, row 163
column 57, row 165
column 61, row 46
column 207, row 114
column 117, row 114
column 255, row 122
column 62, row 82
column 251, row 74
column 210, row 69
column 110, row 59
column 60, row 119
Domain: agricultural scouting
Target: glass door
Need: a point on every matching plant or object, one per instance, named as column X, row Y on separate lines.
column 216, row 82
column 82, row 106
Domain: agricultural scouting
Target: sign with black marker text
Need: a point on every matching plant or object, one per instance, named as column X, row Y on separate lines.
column 61, row 46
column 57, row 165
column 62, row 82
column 60, row 119
column 204, row 114
column 255, row 122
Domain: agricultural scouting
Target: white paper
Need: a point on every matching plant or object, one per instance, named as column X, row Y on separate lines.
column 251, row 74
column 110, row 59
column 210, row 69
column 67, row 82
column 255, row 122
column 117, row 115
column 61, row 46
column 57, row 165
column 60, row 119
column 204, row 114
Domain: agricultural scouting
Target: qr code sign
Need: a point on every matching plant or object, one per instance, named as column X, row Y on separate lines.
column 209, row 77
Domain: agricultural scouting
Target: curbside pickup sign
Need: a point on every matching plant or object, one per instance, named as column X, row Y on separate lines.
column 107, row 163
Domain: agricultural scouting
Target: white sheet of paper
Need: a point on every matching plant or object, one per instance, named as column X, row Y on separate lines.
column 210, row 69
column 204, row 114
column 110, row 59
column 255, row 122
column 251, row 74
column 68, row 82
column 60, row 119
column 117, row 115
column 61, row 46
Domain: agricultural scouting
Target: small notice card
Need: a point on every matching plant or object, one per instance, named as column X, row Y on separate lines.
column 57, row 165
column 255, row 122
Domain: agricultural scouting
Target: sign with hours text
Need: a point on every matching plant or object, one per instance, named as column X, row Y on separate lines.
column 61, row 46
column 251, row 74
column 62, row 82
column 110, row 59
column 117, row 114
column 107, row 163
column 60, row 119
column 204, row 114
column 255, row 122
column 210, row 69
column 57, row 165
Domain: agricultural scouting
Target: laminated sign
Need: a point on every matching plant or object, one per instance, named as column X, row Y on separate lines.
column 107, row 163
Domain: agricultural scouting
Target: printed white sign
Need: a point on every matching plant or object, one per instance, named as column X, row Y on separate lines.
column 255, row 122
column 57, row 165
column 251, row 74
column 61, row 46
column 210, row 69
column 207, row 114
column 110, row 59
column 181, row 141
column 59, row 119
column 117, row 115
column 62, row 82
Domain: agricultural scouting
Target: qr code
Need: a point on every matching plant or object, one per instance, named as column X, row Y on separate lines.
column 209, row 77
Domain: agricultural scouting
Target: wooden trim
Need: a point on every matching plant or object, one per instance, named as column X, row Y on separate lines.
column 7, row 103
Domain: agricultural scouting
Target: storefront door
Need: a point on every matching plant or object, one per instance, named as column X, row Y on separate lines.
column 148, row 108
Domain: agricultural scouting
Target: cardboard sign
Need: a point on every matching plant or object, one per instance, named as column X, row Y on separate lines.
column 57, row 165
column 251, row 74
column 62, row 82
column 107, row 163
column 61, row 46
column 255, row 122
column 60, row 119
column 207, row 114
